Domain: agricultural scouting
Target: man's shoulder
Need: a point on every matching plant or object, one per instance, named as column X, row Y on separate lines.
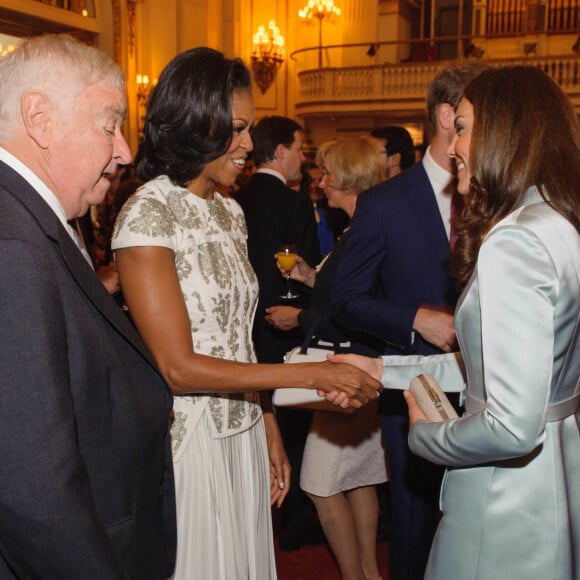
column 265, row 190
column 257, row 185
column 22, row 212
column 262, row 179
column 403, row 188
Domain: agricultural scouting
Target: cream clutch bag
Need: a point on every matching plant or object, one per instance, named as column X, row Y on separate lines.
column 305, row 398
column 431, row 398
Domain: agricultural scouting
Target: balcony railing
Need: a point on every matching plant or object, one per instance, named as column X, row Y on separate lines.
column 84, row 7
column 518, row 16
column 403, row 86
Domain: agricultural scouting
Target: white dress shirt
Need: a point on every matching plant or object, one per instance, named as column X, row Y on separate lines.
column 440, row 180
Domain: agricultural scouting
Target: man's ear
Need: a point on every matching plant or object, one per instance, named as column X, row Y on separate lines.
column 37, row 116
column 280, row 152
column 396, row 160
column 446, row 116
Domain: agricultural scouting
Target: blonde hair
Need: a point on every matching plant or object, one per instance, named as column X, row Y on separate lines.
column 354, row 162
column 56, row 64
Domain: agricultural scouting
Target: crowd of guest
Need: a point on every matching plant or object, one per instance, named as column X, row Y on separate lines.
column 139, row 435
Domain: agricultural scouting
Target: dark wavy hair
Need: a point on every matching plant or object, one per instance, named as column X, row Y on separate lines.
column 189, row 115
column 525, row 132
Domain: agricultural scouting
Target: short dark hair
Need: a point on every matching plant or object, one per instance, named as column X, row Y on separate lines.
column 189, row 115
column 448, row 84
column 399, row 140
column 270, row 132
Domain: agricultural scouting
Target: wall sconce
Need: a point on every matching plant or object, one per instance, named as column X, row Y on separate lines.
column 144, row 89
column 576, row 46
column 267, row 55
column 323, row 10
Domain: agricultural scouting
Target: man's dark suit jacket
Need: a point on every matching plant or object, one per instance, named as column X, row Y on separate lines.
column 276, row 214
column 86, row 483
column 396, row 258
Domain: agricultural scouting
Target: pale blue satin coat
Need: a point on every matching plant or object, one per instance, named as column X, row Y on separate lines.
column 511, row 495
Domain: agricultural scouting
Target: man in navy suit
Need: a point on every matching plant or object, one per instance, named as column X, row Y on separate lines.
column 86, row 483
column 393, row 282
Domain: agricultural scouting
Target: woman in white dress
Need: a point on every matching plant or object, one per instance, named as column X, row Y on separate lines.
column 343, row 457
column 181, row 253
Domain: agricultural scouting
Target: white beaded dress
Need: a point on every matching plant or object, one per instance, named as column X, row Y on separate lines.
column 219, row 446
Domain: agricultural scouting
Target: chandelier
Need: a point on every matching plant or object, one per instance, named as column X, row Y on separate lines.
column 267, row 55
column 322, row 10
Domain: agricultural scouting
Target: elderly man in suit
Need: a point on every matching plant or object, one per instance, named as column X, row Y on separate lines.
column 86, row 486
column 393, row 282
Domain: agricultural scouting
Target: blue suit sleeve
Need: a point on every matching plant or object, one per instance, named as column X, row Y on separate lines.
column 360, row 299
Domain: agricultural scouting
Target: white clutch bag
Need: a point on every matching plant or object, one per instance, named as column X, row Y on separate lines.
column 305, row 398
column 431, row 398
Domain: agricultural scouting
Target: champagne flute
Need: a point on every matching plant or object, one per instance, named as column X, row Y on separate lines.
column 286, row 257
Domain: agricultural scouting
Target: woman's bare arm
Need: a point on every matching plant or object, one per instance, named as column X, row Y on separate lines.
column 153, row 294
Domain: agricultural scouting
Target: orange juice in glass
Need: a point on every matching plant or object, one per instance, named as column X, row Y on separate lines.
column 286, row 257
column 287, row 261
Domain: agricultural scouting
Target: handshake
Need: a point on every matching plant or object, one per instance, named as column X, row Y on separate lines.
column 421, row 375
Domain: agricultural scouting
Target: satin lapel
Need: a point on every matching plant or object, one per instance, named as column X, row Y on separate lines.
column 18, row 187
column 427, row 213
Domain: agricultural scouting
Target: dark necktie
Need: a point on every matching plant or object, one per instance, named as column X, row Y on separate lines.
column 456, row 208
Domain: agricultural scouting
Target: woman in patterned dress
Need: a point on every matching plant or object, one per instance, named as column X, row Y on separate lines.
column 182, row 259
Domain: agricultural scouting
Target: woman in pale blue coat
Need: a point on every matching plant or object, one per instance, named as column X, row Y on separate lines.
column 511, row 495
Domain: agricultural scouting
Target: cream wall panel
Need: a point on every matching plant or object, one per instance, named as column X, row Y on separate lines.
column 157, row 35
column 215, row 20
column 359, row 24
column 192, row 24
column 229, row 27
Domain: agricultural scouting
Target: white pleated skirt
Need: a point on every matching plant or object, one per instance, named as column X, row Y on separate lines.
column 224, row 524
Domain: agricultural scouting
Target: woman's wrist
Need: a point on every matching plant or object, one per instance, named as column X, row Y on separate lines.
column 299, row 317
column 310, row 278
